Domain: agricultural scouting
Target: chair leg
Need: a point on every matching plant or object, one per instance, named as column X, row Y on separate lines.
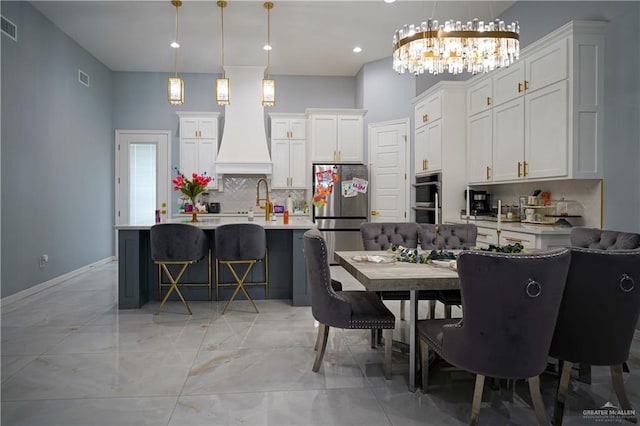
column 618, row 386
column 424, row 365
column 477, row 399
column 403, row 303
column 447, row 311
column 561, row 397
column 387, row 334
column 323, row 334
column 536, row 398
column 432, row 309
column 239, row 287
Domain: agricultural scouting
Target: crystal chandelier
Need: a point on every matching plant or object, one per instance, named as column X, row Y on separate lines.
column 268, row 84
column 175, row 84
column 475, row 47
column 223, row 90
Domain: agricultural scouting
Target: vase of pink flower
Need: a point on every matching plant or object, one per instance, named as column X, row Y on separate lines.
column 191, row 188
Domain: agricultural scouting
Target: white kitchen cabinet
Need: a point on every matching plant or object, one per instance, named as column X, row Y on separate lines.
column 428, row 148
column 428, row 110
column 546, row 111
column 480, row 96
column 199, row 144
column 439, row 143
column 540, row 238
column 336, row 135
column 288, row 151
column 480, row 147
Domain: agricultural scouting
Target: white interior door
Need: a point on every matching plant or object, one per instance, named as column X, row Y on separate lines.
column 389, row 186
column 143, row 175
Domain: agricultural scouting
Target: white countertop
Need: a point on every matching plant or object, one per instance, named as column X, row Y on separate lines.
column 212, row 221
column 526, row 228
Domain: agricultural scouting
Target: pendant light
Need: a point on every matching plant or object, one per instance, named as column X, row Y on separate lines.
column 223, row 89
column 175, row 84
column 268, row 84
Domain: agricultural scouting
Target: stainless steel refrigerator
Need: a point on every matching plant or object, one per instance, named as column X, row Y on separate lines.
column 340, row 204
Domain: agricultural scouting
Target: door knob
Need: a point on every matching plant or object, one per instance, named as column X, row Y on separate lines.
column 374, row 213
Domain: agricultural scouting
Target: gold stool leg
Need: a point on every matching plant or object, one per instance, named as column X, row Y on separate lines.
column 174, row 286
column 240, row 286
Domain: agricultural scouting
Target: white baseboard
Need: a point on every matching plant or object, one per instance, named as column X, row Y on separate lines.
column 52, row 282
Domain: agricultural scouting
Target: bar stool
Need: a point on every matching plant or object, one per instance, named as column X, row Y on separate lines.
column 241, row 244
column 178, row 244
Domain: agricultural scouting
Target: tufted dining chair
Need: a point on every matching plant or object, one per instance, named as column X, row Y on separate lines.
column 603, row 239
column 448, row 237
column 511, row 303
column 342, row 309
column 379, row 236
column 598, row 316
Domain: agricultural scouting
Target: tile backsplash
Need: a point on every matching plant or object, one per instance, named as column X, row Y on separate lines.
column 239, row 193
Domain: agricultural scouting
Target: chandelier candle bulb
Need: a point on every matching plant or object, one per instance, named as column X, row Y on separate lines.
column 468, row 202
column 437, row 218
column 499, row 213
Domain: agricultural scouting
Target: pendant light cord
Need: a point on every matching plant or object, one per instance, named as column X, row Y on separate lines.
column 175, row 56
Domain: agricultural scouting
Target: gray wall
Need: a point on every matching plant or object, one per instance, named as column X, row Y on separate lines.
column 57, row 154
column 622, row 92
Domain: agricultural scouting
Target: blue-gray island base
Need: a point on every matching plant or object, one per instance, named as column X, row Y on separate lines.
column 138, row 275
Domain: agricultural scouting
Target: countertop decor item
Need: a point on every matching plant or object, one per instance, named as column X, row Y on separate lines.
column 191, row 188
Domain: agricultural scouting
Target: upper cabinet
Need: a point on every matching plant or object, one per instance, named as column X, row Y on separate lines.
column 428, row 133
column 199, row 144
column 439, row 141
column 541, row 118
column 336, row 135
column 288, row 151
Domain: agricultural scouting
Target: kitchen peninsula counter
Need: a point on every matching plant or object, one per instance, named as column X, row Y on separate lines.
column 138, row 275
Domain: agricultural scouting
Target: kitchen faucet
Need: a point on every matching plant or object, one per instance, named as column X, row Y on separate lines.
column 267, row 203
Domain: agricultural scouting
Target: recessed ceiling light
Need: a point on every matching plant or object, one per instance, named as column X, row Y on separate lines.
column 357, row 49
column 389, row 1
column 175, row 44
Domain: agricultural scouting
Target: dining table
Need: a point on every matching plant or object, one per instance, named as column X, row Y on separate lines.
column 379, row 271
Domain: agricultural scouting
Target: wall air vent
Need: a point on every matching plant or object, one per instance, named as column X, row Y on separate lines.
column 83, row 78
column 9, row 29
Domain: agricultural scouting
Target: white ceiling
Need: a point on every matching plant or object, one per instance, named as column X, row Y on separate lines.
column 308, row 37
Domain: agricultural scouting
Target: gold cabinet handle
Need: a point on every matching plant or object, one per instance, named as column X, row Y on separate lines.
column 488, row 100
column 524, row 169
column 519, row 166
column 334, row 155
column 374, row 213
column 526, row 85
column 425, row 118
column 519, row 87
column 488, row 170
column 515, row 240
column 482, row 235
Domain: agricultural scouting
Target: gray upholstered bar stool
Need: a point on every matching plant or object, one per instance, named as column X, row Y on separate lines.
column 177, row 244
column 241, row 244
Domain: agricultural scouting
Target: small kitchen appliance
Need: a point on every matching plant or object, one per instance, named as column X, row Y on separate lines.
column 480, row 203
column 214, row 207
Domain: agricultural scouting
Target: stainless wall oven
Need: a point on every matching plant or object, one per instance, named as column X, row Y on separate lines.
column 426, row 188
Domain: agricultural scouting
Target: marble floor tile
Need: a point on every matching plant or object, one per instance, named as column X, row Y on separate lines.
column 71, row 357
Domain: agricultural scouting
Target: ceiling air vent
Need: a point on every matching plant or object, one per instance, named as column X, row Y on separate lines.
column 83, row 78
column 9, row 28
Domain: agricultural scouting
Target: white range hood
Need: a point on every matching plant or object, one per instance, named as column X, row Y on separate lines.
column 244, row 149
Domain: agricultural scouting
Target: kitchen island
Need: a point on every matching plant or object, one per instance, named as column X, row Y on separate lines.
column 138, row 275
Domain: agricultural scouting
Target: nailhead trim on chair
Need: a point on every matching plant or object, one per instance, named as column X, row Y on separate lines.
column 379, row 324
column 325, row 277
